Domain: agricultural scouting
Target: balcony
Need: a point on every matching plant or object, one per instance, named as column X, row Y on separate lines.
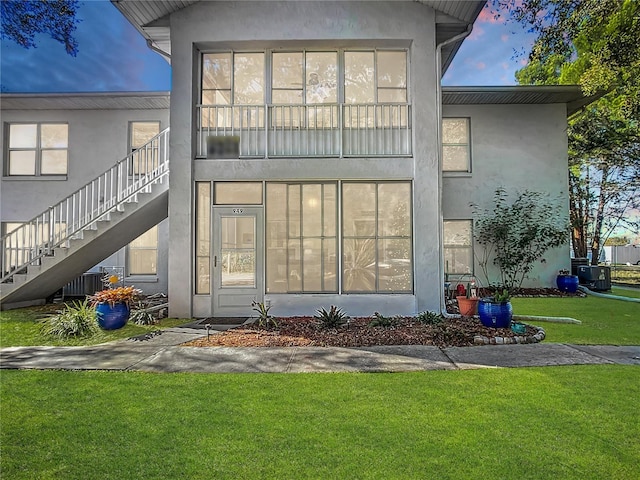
column 318, row 130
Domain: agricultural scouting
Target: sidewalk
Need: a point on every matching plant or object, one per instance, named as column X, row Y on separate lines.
column 162, row 354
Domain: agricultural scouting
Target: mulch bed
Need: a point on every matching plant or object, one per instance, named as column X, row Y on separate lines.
column 306, row 331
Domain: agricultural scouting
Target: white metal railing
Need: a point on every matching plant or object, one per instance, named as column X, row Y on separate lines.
column 27, row 244
column 314, row 130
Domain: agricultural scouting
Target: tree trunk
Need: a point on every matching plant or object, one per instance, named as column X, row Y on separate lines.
column 577, row 200
column 597, row 228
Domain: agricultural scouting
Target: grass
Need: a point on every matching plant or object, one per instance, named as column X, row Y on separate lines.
column 539, row 423
column 604, row 321
column 21, row 327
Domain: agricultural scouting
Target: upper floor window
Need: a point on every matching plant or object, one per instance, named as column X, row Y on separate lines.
column 233, row 78
column 140, row 133
column 37, row 149
column 456, row 146
column 378, row 76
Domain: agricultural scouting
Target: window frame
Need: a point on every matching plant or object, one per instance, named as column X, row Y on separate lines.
column 377, row 238
column 38, row 150
column 135, row 161
column 468, row 170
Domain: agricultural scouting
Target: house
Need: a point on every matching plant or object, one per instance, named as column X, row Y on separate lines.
column 314, row 160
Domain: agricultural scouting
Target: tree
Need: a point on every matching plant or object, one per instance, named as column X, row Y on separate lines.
column 516, row 233
column 593, row 43
column 22, row 20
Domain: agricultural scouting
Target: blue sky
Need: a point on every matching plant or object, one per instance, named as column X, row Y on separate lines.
column 113, row 56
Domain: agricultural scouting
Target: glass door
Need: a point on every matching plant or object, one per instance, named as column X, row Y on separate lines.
column 238, row 260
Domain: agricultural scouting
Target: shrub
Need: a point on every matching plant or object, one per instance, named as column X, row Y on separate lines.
column 264, row 318
column 76, row 320
column 116, row 295
column 429, row 318
column 334, row 318
column 379, row 320
column 141, row 313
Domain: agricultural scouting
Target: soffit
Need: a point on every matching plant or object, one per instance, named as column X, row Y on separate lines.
column 571, row 95
column 151, row 19
column 86, row 101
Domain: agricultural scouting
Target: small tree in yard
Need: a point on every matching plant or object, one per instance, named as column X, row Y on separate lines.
column 517, row 234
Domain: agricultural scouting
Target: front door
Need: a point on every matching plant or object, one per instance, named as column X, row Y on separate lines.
column 238, row 260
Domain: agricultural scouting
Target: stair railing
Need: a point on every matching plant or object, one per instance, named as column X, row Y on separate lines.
column 137, row 173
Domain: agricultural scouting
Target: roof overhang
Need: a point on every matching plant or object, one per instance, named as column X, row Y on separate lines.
column 85, row 101
column 570, row 95
column 151, row 19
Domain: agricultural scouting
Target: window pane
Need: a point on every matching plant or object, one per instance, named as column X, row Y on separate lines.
column 392, row 95
column 216, row 97
column 330, row 210
column 287, row 70
column 312, row 210
column 142, row 132
column 293, row 210
column 458, row 251
column 22, row 162
column 394, row 267
column 312, row 264
column 330, row 265
column 216, row 71
column 359, row 206
column 295, row 267
column 238, row 193
column 143, row 262
column 203, row 243
column 287, row 97
column 359, row 265
column 54, row 136
column 322, row 84
column 248, row 71
column 394, row 212
column 148, row 239
column 392, row 69
column 276, row 238
column 359, row 77
column 54, row 162
column 23, row 136
column 455, row 158
column 455, row 130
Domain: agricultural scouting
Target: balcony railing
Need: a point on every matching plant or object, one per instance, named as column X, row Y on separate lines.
column 322, row 130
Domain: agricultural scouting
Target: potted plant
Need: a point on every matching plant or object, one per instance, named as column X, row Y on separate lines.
column 566, row 282
column 496, row 311
column 467, row 304
column 113, row 306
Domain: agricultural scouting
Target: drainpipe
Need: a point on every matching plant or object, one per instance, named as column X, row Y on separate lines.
column 157, row 50
column 466, row 33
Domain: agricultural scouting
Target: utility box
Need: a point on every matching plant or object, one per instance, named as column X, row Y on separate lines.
column 595, row 277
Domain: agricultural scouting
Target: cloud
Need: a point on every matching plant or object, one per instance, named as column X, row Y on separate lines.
column 476, row 33
column 504, row 37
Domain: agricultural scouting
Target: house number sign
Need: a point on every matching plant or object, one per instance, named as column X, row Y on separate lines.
column 238, row 210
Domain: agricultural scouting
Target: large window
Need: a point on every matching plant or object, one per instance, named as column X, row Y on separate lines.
column 203, row 237
column 37, row 149
column 140, row 133
column 301, row 237
column 375, row 76
column 456, row 151
column 458, row 247
column 143, row 254
column 233, row 78
column 376, row 227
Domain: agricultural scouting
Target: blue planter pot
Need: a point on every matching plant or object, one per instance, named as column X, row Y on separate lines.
column 112, row 318
column 567, row 283
column 496, row 315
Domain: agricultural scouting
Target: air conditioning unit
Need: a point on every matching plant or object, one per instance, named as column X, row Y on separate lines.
column 595, row 277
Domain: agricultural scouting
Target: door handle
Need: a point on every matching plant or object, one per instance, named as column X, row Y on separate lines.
column 215, row 261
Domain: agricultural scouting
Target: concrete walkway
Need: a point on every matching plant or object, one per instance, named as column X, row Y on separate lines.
column 162, row 353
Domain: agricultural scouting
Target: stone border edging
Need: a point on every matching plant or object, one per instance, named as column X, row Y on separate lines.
column 535, row 338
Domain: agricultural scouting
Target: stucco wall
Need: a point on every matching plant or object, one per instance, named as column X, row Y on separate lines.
column 210, row 25
column 518, row 147
column 97, row 140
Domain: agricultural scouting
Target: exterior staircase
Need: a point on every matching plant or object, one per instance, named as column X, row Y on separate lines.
column 69, row 238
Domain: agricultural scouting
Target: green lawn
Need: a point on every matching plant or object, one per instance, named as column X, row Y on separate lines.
column 604, row 321
column 539, row 423
column 21, row 327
